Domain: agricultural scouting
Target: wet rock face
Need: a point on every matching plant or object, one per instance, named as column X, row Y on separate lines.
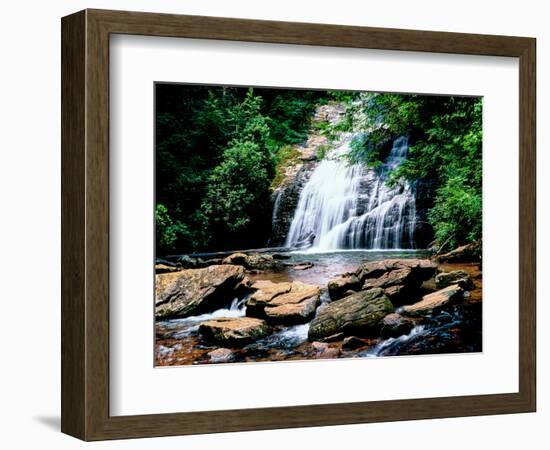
column 285, row 201
column 196, row 291
column 233, row 331
column 359, row 314
column 283, row 303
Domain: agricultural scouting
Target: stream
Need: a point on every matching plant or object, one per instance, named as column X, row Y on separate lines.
column 457, row 329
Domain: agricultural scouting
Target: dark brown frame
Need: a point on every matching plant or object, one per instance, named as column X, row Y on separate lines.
column 85, row 224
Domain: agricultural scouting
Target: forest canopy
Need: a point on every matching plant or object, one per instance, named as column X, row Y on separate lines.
column 219, row 152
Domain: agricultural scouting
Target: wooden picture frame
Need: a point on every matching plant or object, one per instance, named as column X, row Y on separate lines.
column 85, row 224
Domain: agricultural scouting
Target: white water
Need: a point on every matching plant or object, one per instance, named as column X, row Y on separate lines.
column 348, row 206
column 187, row 325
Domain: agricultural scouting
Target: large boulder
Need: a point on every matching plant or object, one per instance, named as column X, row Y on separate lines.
column 283, row 303
column 400, row 279
column 253, row 261
column 359, row 314
column 197, row 291
column 237, row 331
column 435, row 301
column 460, row 277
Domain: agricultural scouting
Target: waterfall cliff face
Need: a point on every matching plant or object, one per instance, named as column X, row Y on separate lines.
column 349, row 206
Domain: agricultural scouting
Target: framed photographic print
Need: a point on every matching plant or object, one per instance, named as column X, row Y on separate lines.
column 290, row 217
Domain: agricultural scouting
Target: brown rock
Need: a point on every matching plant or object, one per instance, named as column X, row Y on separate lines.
column 435, row 300
column 465, row 253
column 337, row 287
column 325, row 351
column 284, row 303
column 333, row 338
column 401, row 278
column 253, row 261
column 221, row 355
column 163, row 268
column 293, row 313
column 395, row 293
column 422, row 268
column 267, row 291
column 392, row 278
column 460, row 277
column 395, row 325
column 353, row 343
column 233, row 331
column 358, row 314
column 196, row 291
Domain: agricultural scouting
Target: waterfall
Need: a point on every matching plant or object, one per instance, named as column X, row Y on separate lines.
column 349, row 206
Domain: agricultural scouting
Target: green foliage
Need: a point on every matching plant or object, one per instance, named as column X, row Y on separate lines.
column 456, row 213
column 168, row 231
column 342, row 96
column 238, row 187
column 322, row 151
column 218, row 150
column 286, row 156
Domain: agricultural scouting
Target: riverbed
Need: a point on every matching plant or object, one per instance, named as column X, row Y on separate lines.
column 457, row 329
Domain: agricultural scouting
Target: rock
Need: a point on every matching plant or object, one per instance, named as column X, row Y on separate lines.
column 221, row 355
column 400, row 278
column 308, row 156
column 395, row 293
column 333, row 338
column 421, row 269
column 266, row 291
column 465, row 253
column 460, row 277
column 293, row 313
column 425, row 268
column 165, row 262
column 359, row 314
column 283, row 303
column 253, row 261
column 337, row 287
column 233, row 331
column 435, row 300
column 353, row 343
column 197, row 291
column 286, row 197
column 163, row 268
column 395, row 325
column 325, row 351
column 303, row 266
column 187, row 262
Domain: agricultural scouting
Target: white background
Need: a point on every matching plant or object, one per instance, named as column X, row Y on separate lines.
column 30, row 239
column 137, row 387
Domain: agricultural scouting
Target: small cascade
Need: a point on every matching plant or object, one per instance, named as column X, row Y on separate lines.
column 349, row 206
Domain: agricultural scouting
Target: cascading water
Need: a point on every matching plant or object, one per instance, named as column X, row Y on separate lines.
column 348, row 206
